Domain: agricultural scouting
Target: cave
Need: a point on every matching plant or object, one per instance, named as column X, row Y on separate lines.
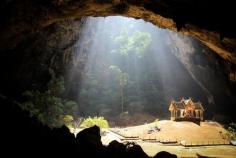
column 42, row 41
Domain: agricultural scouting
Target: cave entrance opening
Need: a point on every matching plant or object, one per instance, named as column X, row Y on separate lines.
column 120, row 71
column 128, row 70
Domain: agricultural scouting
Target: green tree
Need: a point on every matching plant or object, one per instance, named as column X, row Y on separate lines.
column 122, row 77
column 129, row 45
column 136, row 43
column 67, row 120
column 48, row 106
column 70, row 107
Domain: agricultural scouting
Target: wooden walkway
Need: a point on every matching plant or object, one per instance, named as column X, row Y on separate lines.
column 169, row 141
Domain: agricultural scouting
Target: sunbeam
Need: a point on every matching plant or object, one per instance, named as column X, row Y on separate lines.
column 124, row 67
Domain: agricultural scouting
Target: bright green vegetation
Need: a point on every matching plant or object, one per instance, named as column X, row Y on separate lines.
column 68, row 120
column 91, row 121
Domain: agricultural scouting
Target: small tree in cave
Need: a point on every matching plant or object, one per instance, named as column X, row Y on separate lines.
column 128, row 45
column 122, row 78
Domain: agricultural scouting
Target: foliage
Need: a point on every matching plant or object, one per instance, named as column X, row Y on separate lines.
column 136, row 43
column 99, row 121
column 70, row 107
column 48, row 106
column 67, row 119
column 122, row 70
column 115, row 70
column 122, row 77
column 231, row 128
column 56, row 85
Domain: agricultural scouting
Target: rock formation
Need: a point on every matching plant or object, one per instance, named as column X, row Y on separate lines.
column 207, row 21
column 28, row 25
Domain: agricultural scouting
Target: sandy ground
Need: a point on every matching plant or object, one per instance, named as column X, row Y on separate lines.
column 185, row 132
column 189, row 132
column 222, row 151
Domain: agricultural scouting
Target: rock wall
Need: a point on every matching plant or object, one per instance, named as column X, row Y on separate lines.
column 205, row 20
column 30, row 62
column 27, row 137
column 208, row 70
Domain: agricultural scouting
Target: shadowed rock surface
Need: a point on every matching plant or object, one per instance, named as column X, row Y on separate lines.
column 26, row 137
column 30, row 45
column 208, row 21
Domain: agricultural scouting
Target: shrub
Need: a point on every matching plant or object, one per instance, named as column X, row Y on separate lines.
column 67, row 119
column 232, row 130
column 48, row 105
column 99, row 121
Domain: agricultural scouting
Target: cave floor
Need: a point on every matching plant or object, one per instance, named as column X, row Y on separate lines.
column 208, row 139
column 221, row 151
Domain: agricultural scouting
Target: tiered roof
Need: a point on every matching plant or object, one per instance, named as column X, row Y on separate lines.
column 184, row 103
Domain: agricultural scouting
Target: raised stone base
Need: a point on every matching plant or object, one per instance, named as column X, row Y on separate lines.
column 190, row 119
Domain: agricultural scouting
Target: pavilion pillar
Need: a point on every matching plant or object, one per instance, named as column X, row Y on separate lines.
column 173, row 114
column 196, row 113
column 201, row 115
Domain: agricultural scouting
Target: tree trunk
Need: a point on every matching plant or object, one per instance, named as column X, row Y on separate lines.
column 122, row 99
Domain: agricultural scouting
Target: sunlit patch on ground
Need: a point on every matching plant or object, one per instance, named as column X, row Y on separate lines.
column 199, row 138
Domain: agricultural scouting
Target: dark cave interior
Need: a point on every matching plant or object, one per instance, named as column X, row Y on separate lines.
column 39, row 37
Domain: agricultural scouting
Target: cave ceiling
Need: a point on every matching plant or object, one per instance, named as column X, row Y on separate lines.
column 210, row 22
